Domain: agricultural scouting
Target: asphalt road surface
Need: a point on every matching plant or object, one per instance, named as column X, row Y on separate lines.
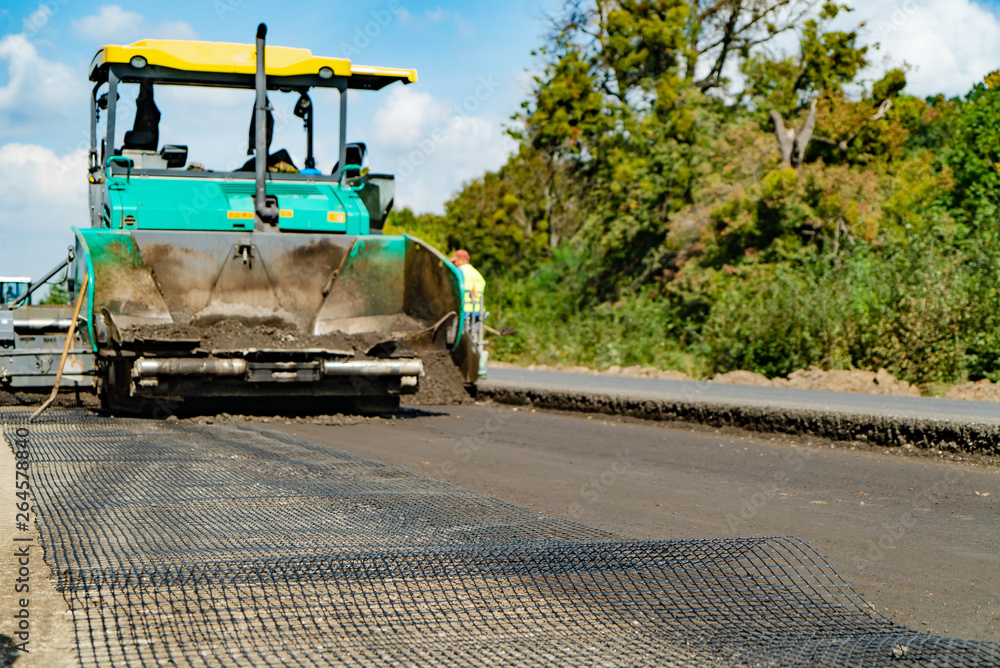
column 918, row 537
column 846, row 402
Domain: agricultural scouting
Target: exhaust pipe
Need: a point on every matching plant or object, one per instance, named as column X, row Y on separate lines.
column 266, row 213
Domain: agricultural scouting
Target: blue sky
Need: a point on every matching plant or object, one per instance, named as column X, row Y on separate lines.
column 473, row 61
column 451, row 44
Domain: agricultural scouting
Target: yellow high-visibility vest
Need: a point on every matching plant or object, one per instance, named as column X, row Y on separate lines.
column 475, row 285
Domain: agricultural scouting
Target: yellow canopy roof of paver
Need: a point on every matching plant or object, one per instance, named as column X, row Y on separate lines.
column 230, row 58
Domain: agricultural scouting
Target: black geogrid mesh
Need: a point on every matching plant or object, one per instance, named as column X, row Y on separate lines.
column 183, row 545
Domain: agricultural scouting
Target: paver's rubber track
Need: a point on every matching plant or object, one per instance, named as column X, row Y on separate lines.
column 229, row 545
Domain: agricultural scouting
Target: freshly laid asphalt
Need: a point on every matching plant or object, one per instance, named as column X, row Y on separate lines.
column 919, row 537
column 982, row 412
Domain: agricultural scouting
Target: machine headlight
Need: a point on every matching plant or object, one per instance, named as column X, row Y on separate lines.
column 325, row 73
column 138, row 62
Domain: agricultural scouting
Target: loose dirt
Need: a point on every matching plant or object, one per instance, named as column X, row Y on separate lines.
column 630, row 371
column 982, row 390
column 334, row 420
column 814, row 378
column 234, row 335
column 741, row 377
column 67, row 398
column 442, row 383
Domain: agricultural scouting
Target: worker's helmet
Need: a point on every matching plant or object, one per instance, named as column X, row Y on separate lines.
column 460, row 257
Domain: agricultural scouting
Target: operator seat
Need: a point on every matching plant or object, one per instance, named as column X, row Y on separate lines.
column 145, row 132
column 355, row 155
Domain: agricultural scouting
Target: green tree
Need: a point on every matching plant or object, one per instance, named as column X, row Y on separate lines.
column 566, row 114
column 974, row 157
column 58, row 293
column 646, row 216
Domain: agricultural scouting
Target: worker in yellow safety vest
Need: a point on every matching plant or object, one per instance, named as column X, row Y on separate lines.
column 474, row 282
column 475, row 311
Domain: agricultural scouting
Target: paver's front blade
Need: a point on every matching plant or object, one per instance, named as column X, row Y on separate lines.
column 287, row 307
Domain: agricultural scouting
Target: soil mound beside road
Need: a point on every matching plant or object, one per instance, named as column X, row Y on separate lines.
column 814, row 378
column 635, row 371
column 982, row 390
column 741, row 377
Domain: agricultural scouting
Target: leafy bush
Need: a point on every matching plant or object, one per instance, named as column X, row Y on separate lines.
column 649, row 217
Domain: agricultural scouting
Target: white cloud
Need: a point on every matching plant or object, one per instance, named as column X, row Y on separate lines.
column 39, row 93
column 950, row 44
column 43, row 195
column 109, row 21
column 405, row 115
column 434, row 146
column 115, row 25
